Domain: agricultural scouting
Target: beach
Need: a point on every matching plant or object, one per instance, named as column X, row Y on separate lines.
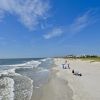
column 63, row 85
column 47, row 79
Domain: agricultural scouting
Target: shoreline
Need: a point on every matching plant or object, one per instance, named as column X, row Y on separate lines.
column 63, row 85
column 56, row 88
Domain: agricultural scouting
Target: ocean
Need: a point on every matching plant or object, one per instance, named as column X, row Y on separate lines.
column 19, row 77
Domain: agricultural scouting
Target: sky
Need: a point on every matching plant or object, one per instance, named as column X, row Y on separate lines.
column 48, row 28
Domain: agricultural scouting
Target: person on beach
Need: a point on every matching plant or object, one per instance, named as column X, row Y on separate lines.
column 73, row 71
column 65, row 65
column 68, row 66
column 76, row 73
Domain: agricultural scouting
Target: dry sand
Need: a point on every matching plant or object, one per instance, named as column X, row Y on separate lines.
column 63, row 85
column 86, row 87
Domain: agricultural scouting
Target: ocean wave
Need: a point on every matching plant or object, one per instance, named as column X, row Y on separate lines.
column 45, row 59
column 9, row 70
column 42, row 70
column 16, row 83
column 29, row 64
column 23, row 87
column 23, row 84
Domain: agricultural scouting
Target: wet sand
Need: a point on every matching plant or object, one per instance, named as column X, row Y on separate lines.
column 55, row 89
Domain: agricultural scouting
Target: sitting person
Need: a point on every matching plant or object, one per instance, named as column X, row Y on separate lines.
column 76, row 73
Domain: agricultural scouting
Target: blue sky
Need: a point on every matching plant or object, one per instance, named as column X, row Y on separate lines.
column 46, row 28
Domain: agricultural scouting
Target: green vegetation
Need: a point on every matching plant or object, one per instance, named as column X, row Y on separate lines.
column 92, row 58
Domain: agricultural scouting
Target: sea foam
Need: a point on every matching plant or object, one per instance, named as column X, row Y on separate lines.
column 6, row 88
column 16, row 86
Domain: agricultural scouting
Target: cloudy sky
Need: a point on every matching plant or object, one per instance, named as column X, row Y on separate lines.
column 46, row 28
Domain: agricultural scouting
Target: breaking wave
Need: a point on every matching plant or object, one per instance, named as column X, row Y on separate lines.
column 14, row 85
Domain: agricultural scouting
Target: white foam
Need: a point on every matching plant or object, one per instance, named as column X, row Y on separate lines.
column 6, row 93
column 46, row 59
column 23, row 88
column 31, row 90
column 29, row 64
column 43, row 60
column 6, row 88
column 43, row 70
column 11, row 71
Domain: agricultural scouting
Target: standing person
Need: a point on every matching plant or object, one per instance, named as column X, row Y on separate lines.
column 63, row 66
column 68, row 66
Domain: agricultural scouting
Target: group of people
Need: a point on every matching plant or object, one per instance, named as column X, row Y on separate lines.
column 66, row 66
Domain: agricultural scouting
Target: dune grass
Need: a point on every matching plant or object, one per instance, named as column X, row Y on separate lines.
column 95, row 59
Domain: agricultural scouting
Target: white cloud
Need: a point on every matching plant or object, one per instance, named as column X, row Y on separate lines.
column 29, row 12
column 78, row 25
column 56, row 32
column 81, row 22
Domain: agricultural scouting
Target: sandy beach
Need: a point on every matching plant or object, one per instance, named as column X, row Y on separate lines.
column 63, row 85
